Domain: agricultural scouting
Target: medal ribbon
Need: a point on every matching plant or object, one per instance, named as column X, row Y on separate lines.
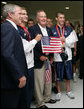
column 60, row 34
column 27, row 33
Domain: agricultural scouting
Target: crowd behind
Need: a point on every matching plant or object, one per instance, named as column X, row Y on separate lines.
column 26, row 56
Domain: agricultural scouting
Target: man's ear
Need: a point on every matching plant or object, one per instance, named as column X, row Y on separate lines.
column 10, row 14
column 36, row 19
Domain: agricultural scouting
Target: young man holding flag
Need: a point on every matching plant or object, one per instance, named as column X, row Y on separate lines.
column 63, row 61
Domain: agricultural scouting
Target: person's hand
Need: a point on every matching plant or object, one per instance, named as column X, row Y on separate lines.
column 62, row 39
column 51, row 60
column 74, row 53
column 22, row 82
column 38, row 37
column 43, row 58
column 62, row 50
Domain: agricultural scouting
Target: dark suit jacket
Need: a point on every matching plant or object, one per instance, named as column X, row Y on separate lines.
column 38, row 49
column 13, row 61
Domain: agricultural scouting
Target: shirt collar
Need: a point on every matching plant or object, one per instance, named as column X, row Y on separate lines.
column 12, row 23
column 59, row 27
column 41, row 26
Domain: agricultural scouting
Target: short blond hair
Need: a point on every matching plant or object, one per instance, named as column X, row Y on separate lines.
column 23, row 8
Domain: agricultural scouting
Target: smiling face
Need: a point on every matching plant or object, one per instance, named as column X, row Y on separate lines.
column 16, row 15
column 41, row 18
column 24, row 16
column 60, row 19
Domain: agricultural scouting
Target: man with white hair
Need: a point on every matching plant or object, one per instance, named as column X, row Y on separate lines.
column 42, row 82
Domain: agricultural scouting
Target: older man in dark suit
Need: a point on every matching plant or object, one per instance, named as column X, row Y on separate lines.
column 42, row 89
column 13, row 62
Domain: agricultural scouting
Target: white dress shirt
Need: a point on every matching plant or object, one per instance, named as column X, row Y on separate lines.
column 44, row 32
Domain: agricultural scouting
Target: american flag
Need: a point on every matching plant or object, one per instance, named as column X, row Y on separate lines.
column 51, row 44
column 48, row 72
